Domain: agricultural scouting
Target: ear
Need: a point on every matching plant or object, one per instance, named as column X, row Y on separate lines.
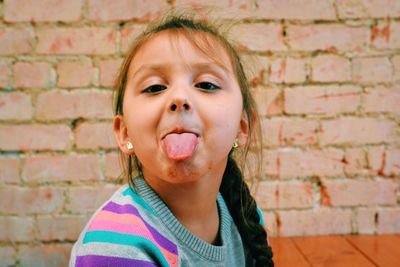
column 121, row 135
column 243, row 131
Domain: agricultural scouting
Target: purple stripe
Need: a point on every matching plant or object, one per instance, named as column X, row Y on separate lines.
column 106, row 261
column 129, row 209
column 121, row 209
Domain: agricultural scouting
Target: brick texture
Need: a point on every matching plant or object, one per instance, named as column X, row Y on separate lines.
column 325, row 75
column 43, row 10
column 31, row 74
column 74, row 74
column 72, row 41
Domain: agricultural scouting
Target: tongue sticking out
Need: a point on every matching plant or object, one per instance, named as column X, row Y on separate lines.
column 180, row 146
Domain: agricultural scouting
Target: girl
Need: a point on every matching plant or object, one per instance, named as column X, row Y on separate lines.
column 183, row 109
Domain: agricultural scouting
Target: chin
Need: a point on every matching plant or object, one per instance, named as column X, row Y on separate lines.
column 182, row 172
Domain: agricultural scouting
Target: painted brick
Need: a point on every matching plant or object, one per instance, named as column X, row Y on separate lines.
column 84, row 199
column 332, row 99
column 271, row 163
column 128, row 34
column 89, row 104
column 288, row 70
column 357, row 131
column 31, row 74
column 394, row 42
column 255, row 68
column 381, row 99
column 108, row 71
column 295, row 194
column 74, row 74
column 327, row 37
column 388, row 220
column 365, row 220
column 277, row 131
column 295, row 9
column 9, row 170
column 367, row 9
column 266, row 194
column 22, row 200
column 60, row 168
column 385, row 35
column 17, row 229
column 380, row 34
column 15, row 106
column 330, row 68
column 225, row 9
column 270, row 224
column 16, row 41
column 272, row 131
column 267, row 9
column 108, row 10
column 42, row 10
column 41, row 137
column 259, row 37
column 384, row 162
column 314, row 222
column 70, row 41
column 392, row 162
column 376, row 159
column 60, row 227
column 297, row 163
column 95, row 136
column 56, row 255
column 371, row 70
column 4, row 75
column 268, row 101
column 359, row 192
column 356, row 161
column 113, row 166
column 299, row 132
column 396, row 68
column 8, row 256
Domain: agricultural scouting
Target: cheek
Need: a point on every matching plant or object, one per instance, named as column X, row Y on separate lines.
column 140, row 124
column 226, row 124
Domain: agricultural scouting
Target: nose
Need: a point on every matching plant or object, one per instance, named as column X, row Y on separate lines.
column 179, row 101
column 179, row 105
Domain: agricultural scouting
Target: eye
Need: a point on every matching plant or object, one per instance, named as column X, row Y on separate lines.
column 156, row 88
column 207, row 86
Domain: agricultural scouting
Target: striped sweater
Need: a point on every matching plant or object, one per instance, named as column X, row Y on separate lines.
column 135, row 228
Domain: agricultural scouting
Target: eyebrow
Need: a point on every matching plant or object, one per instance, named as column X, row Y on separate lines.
column 197, row 66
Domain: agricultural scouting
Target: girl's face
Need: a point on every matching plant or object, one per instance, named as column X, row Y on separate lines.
column 181, row 110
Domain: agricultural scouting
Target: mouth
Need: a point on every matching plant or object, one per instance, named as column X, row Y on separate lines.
column 180, row 144
column 180, row 131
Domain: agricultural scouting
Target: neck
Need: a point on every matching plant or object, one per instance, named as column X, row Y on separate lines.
column 194, row 204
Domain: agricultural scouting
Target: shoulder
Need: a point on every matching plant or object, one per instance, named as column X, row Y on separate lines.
column 123, row 232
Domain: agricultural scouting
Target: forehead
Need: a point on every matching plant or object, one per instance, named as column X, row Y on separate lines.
column 176, row 47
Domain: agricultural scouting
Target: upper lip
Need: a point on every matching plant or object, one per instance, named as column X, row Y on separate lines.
column 180, row 130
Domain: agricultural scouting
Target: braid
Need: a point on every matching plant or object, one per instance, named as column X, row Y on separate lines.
column 237, row 194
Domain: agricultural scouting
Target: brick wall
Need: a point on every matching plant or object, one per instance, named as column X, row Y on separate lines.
column 325, row 73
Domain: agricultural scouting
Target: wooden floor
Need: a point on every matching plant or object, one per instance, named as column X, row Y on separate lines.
column 343, row 251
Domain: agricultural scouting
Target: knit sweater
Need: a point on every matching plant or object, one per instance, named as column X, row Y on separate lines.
column 136, row 228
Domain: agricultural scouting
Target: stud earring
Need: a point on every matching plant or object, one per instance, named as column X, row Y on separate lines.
column 129, row 145
column 236, row 143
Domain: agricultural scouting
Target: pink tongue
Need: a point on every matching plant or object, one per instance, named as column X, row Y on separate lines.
column 180, row 146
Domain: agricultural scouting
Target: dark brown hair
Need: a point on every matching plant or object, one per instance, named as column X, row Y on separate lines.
column 233, row 188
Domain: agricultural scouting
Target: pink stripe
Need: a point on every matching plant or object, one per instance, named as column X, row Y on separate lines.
column 133, row 229
column 120, row 218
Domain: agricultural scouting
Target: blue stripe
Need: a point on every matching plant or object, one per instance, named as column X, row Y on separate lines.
column 137, row 199
column 129, row 209
column 261, row 216
column 142, row 243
